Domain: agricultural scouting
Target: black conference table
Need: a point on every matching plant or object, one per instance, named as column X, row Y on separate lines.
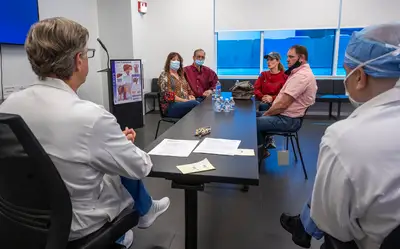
column 242, row 170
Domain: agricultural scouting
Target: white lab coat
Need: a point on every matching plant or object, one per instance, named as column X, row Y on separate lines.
column 357, row 188
column 88, row 148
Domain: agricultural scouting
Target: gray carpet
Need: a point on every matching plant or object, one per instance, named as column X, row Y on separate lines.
column 229, row 218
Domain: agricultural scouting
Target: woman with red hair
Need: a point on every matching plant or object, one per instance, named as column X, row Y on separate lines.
column 176, row 95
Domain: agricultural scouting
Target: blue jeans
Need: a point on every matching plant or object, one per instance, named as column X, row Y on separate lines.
column 180, row 109
column 143, row 200
column 309, row 226
column 136, row 189
column 264, row 107
column 277, row 123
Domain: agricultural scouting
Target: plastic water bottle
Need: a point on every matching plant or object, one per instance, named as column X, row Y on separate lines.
column 218, row 89
column 221, row 103
column 217, row 105
column 227, row 106
column 232, row 104
column 213, row 94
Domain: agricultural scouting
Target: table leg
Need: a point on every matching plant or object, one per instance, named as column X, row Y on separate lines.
column 191, row 201
column 190, row 219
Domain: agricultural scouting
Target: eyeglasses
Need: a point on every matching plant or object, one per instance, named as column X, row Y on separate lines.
column 91, row 52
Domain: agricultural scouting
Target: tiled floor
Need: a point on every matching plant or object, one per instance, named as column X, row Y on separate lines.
column 229, row 218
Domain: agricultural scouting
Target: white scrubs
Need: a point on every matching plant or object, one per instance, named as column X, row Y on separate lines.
column 357, row 188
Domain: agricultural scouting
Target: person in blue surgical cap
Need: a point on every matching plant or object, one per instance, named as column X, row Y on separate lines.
column 356, row 194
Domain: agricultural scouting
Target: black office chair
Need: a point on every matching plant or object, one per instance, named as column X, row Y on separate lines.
column 392, row 241
column 152, row 95
column 290, row 135
column 164, row 118
column 35, row 206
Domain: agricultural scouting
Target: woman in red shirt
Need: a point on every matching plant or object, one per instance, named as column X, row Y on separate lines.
column 269, row 83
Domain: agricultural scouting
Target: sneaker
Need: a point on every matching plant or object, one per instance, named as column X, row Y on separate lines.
column 156, row 209
column 263, row 152
column 126, row 240
column 271, row 143
column 293, row 225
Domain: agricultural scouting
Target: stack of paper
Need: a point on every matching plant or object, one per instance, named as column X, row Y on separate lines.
column 218, row 146
column 172, row 147
column 201, row 166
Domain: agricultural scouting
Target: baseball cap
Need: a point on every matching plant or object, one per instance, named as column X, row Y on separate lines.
column 273, row 55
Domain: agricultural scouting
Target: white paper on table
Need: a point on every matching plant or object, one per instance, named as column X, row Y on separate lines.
column 173, row 147
column 218, row 146
column 245, row 152
column 201, row 166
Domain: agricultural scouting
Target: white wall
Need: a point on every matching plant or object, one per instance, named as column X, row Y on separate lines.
column 16, row 69
column 172, row 25
column 257, row 15
column 360, row 13
column 115, row 31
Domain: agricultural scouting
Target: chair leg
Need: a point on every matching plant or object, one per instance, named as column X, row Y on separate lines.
column 294, row 150
column 154, row 104
column 338, row 110
column 158, row 127
column 245, row 188
column 330, row 109
column 145, row 107
column 301, row 156
column 287, row 143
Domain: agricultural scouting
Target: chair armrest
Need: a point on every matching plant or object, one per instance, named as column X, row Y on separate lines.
column 106, row 236
column 332, row 243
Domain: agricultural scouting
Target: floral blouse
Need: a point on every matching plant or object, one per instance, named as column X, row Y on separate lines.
column 171, row 87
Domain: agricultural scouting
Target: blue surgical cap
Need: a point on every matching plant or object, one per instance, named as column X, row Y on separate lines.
column 371, row 43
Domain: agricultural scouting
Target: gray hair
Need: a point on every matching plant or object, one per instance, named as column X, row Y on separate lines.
column 199, row 50
column 52, row 44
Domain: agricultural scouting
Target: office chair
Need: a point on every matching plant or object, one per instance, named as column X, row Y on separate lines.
column 35, row 206
column 163, row 118
column 392, row 241
column 290, row 135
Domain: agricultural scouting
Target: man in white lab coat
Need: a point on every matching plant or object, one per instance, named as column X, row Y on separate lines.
column 356, row 193
column 83, row 140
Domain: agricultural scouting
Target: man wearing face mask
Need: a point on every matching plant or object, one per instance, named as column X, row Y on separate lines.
column 356, row 192
column 296, row 95
column 202, row 79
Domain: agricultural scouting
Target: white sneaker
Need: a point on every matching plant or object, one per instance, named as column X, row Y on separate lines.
column 157, row 209
column 128, row 239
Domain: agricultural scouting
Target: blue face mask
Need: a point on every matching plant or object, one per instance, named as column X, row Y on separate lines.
column 199, row 62
column 175, row 65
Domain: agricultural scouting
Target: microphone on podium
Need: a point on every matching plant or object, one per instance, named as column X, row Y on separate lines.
column 105, row 49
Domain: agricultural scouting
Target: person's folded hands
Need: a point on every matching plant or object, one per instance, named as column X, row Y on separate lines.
column 130, row 134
